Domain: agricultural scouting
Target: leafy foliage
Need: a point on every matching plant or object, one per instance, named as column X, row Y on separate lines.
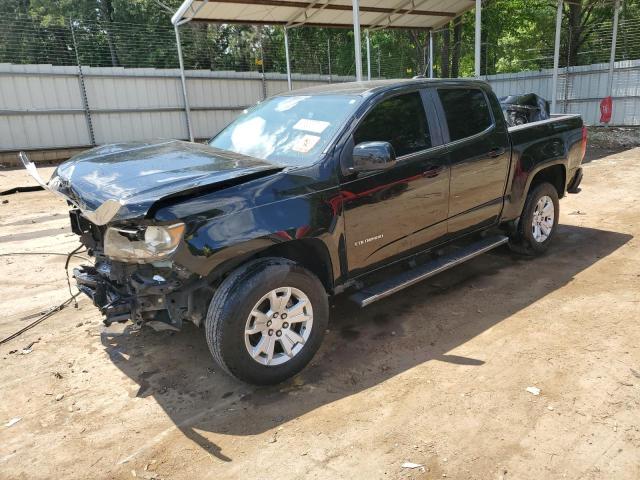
column 516, row 35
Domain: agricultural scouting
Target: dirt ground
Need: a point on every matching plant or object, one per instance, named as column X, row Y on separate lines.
column 436, row 375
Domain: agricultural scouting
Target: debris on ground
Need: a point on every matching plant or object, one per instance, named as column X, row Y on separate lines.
column 577, row 212
column 59, row 397
column 411, row 465
column 533, row 390
column 30, row 345
column 13, row 421
column 614, row 137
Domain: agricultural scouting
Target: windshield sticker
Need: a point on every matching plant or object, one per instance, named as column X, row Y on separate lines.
column 305, row 143
column 309, row 125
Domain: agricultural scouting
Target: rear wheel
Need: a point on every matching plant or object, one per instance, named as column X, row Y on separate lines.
column 267, row 320
column 538, row 222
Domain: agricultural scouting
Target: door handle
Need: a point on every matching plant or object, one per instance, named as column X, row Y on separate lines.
column 496, row 152
column 432, row 171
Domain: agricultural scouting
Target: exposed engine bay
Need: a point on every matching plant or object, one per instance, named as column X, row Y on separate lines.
column 159, row 294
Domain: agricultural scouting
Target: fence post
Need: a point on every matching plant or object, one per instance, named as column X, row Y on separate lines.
column 83, row 90
column 567, row 78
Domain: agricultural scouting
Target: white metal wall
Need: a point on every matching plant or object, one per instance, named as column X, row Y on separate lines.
column 581, row 89
column 41, row 106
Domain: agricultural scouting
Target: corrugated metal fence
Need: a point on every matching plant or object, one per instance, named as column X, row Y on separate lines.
column 52, row 107
column 580, row 89
column 44, row 107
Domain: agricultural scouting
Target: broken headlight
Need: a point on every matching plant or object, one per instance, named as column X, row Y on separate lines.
column 142, row 244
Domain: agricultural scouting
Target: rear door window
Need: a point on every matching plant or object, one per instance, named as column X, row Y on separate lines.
column 399, row 120
column 466, row 110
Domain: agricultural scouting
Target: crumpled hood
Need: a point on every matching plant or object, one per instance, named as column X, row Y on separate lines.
column 127, row 179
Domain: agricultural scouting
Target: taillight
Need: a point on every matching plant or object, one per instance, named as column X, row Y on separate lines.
column 584, row 142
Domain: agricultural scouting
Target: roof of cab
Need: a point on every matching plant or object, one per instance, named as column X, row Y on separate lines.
column 377, row 86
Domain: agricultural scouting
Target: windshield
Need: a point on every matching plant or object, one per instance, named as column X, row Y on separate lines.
column 289, row 130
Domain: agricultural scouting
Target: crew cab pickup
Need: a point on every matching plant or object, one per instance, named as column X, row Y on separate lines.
column 307, row 195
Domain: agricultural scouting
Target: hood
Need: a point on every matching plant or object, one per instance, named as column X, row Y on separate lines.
column 121, row 181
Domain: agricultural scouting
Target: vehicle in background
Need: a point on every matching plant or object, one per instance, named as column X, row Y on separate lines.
column 307, row 195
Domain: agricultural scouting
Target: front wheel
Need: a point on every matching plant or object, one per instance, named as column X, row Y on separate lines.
column 538, row 222
column 266, row 320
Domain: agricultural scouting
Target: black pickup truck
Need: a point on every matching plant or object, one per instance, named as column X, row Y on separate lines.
column 306, row 195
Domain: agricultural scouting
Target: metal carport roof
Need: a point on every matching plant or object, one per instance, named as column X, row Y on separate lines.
column 370, row 14
column 426, row 14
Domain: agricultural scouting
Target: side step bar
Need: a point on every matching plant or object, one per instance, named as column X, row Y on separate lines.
column 385, row 288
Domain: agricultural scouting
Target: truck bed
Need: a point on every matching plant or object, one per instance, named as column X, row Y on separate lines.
column 555, row 117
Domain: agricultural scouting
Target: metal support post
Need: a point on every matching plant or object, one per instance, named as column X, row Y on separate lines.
column 187, row 110
column 614, row 38
column 286, row 54
column 430, row 53
column 556, row 58
column 329, row 57
column 368, row 56
column 355, row 5
column 477, row 37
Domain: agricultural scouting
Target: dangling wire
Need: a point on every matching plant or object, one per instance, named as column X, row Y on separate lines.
column 55, row 309
column 66, row 271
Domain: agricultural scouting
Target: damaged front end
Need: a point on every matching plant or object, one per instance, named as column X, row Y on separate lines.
column 113, row 191
column 134, row 278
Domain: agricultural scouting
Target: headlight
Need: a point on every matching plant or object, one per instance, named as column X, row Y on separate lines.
column 142, row 244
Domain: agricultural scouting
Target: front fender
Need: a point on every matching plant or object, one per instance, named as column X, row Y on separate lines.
column 222, row 242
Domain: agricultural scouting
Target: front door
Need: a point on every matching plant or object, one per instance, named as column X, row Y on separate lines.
column 479, row 156
column 390, row 212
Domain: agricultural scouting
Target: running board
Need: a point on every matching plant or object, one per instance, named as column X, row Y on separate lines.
column 385, row 288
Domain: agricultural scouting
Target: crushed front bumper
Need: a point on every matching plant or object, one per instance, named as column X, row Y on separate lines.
column 155, row 300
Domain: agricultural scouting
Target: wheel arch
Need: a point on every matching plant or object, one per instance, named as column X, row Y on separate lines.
column 555, row 174
column 310, row 253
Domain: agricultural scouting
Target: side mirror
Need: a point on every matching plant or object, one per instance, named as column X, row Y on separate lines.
column 372, row 156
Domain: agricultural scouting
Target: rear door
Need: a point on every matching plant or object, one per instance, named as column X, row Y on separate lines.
column 390, row 212
column 479, row 156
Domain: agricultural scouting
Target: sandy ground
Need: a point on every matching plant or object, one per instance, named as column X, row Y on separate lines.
column 436, row 375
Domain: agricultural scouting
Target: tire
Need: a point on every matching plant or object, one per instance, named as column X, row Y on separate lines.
column 235, row 307
column 526, row 240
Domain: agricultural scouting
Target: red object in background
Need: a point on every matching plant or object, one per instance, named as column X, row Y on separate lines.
column 606, row 108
